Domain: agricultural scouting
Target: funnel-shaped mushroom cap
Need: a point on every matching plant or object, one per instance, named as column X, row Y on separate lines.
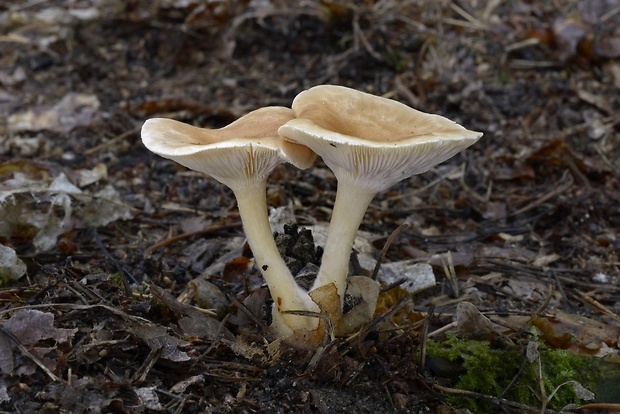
column 369, row 140
column 248, row 148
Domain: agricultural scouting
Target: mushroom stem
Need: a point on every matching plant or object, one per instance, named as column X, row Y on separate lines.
column 349, row 209
column 286, row 293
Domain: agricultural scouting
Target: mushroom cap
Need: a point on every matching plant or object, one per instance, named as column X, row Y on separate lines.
column 248, row 148
column 372, row 141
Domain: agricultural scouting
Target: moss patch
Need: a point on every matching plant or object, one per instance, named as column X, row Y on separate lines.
column 484, row 368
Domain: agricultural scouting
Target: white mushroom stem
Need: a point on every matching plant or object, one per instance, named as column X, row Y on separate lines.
column 349, row 209
column 286, row 293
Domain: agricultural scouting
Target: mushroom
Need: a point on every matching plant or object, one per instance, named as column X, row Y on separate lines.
column 241, row 156
column 370, row 143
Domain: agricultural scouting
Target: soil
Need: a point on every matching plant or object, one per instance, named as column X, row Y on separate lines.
column 524, row 224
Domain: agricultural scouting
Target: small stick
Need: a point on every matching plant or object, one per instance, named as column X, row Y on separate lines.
column 111, row 142
column 450, row 272
column 126, row 276
column 427, row 322
column 244, row 309
column 202, row 232
column 598, row 305
column 495, row 400
column 559, row 190
column 443, row 329
column 386, row 246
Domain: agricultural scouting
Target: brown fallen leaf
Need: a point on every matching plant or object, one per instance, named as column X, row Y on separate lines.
column 573, row 332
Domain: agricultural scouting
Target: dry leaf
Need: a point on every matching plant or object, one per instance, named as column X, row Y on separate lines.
column 73, row 110
column 157, row 337
column 363, row 292
column 472, row 323
column 7, row 364
column 198, row 324
column 30, row 326
column 11, row 266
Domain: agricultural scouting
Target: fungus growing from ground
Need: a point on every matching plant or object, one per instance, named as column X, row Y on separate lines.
column 241, row 156
column 370, row 143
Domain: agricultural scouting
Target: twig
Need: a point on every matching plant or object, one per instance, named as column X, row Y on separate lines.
column 558, row 283
column 605, row 159
column 450, row 272
column 112, row 141
column 372, row 324
column 541, row 386
column 606, row 407
column 543, row 305
column 470, row 21
column 202, row 232
column 386, row 246
column 532, row 64
column 244, row 309
column 425, row 187
column 147, row 365
column 516, row 377
column 359, row 34
column 490, row 8
column 558, row 190
column 126, row 275
column 393, row 285
column 470, row 190
column 599, row 306
column 73, row 306
column 495, row 400
column 404, row 90
column 418, row 70
column 423, row 344
column 443, row 329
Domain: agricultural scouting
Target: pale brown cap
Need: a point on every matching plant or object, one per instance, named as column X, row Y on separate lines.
column 248, row 148
column 372, row 141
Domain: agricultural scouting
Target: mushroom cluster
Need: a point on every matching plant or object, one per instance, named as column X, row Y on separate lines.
column 369, row 142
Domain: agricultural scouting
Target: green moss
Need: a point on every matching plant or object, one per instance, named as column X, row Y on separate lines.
column 395, row 60
column 116, row 279
column 489, row 370
column 5, row 278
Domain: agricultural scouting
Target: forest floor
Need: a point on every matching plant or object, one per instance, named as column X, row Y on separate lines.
column 521, row 231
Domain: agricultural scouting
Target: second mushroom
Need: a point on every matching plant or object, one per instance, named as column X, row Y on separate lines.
column 370, row 143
